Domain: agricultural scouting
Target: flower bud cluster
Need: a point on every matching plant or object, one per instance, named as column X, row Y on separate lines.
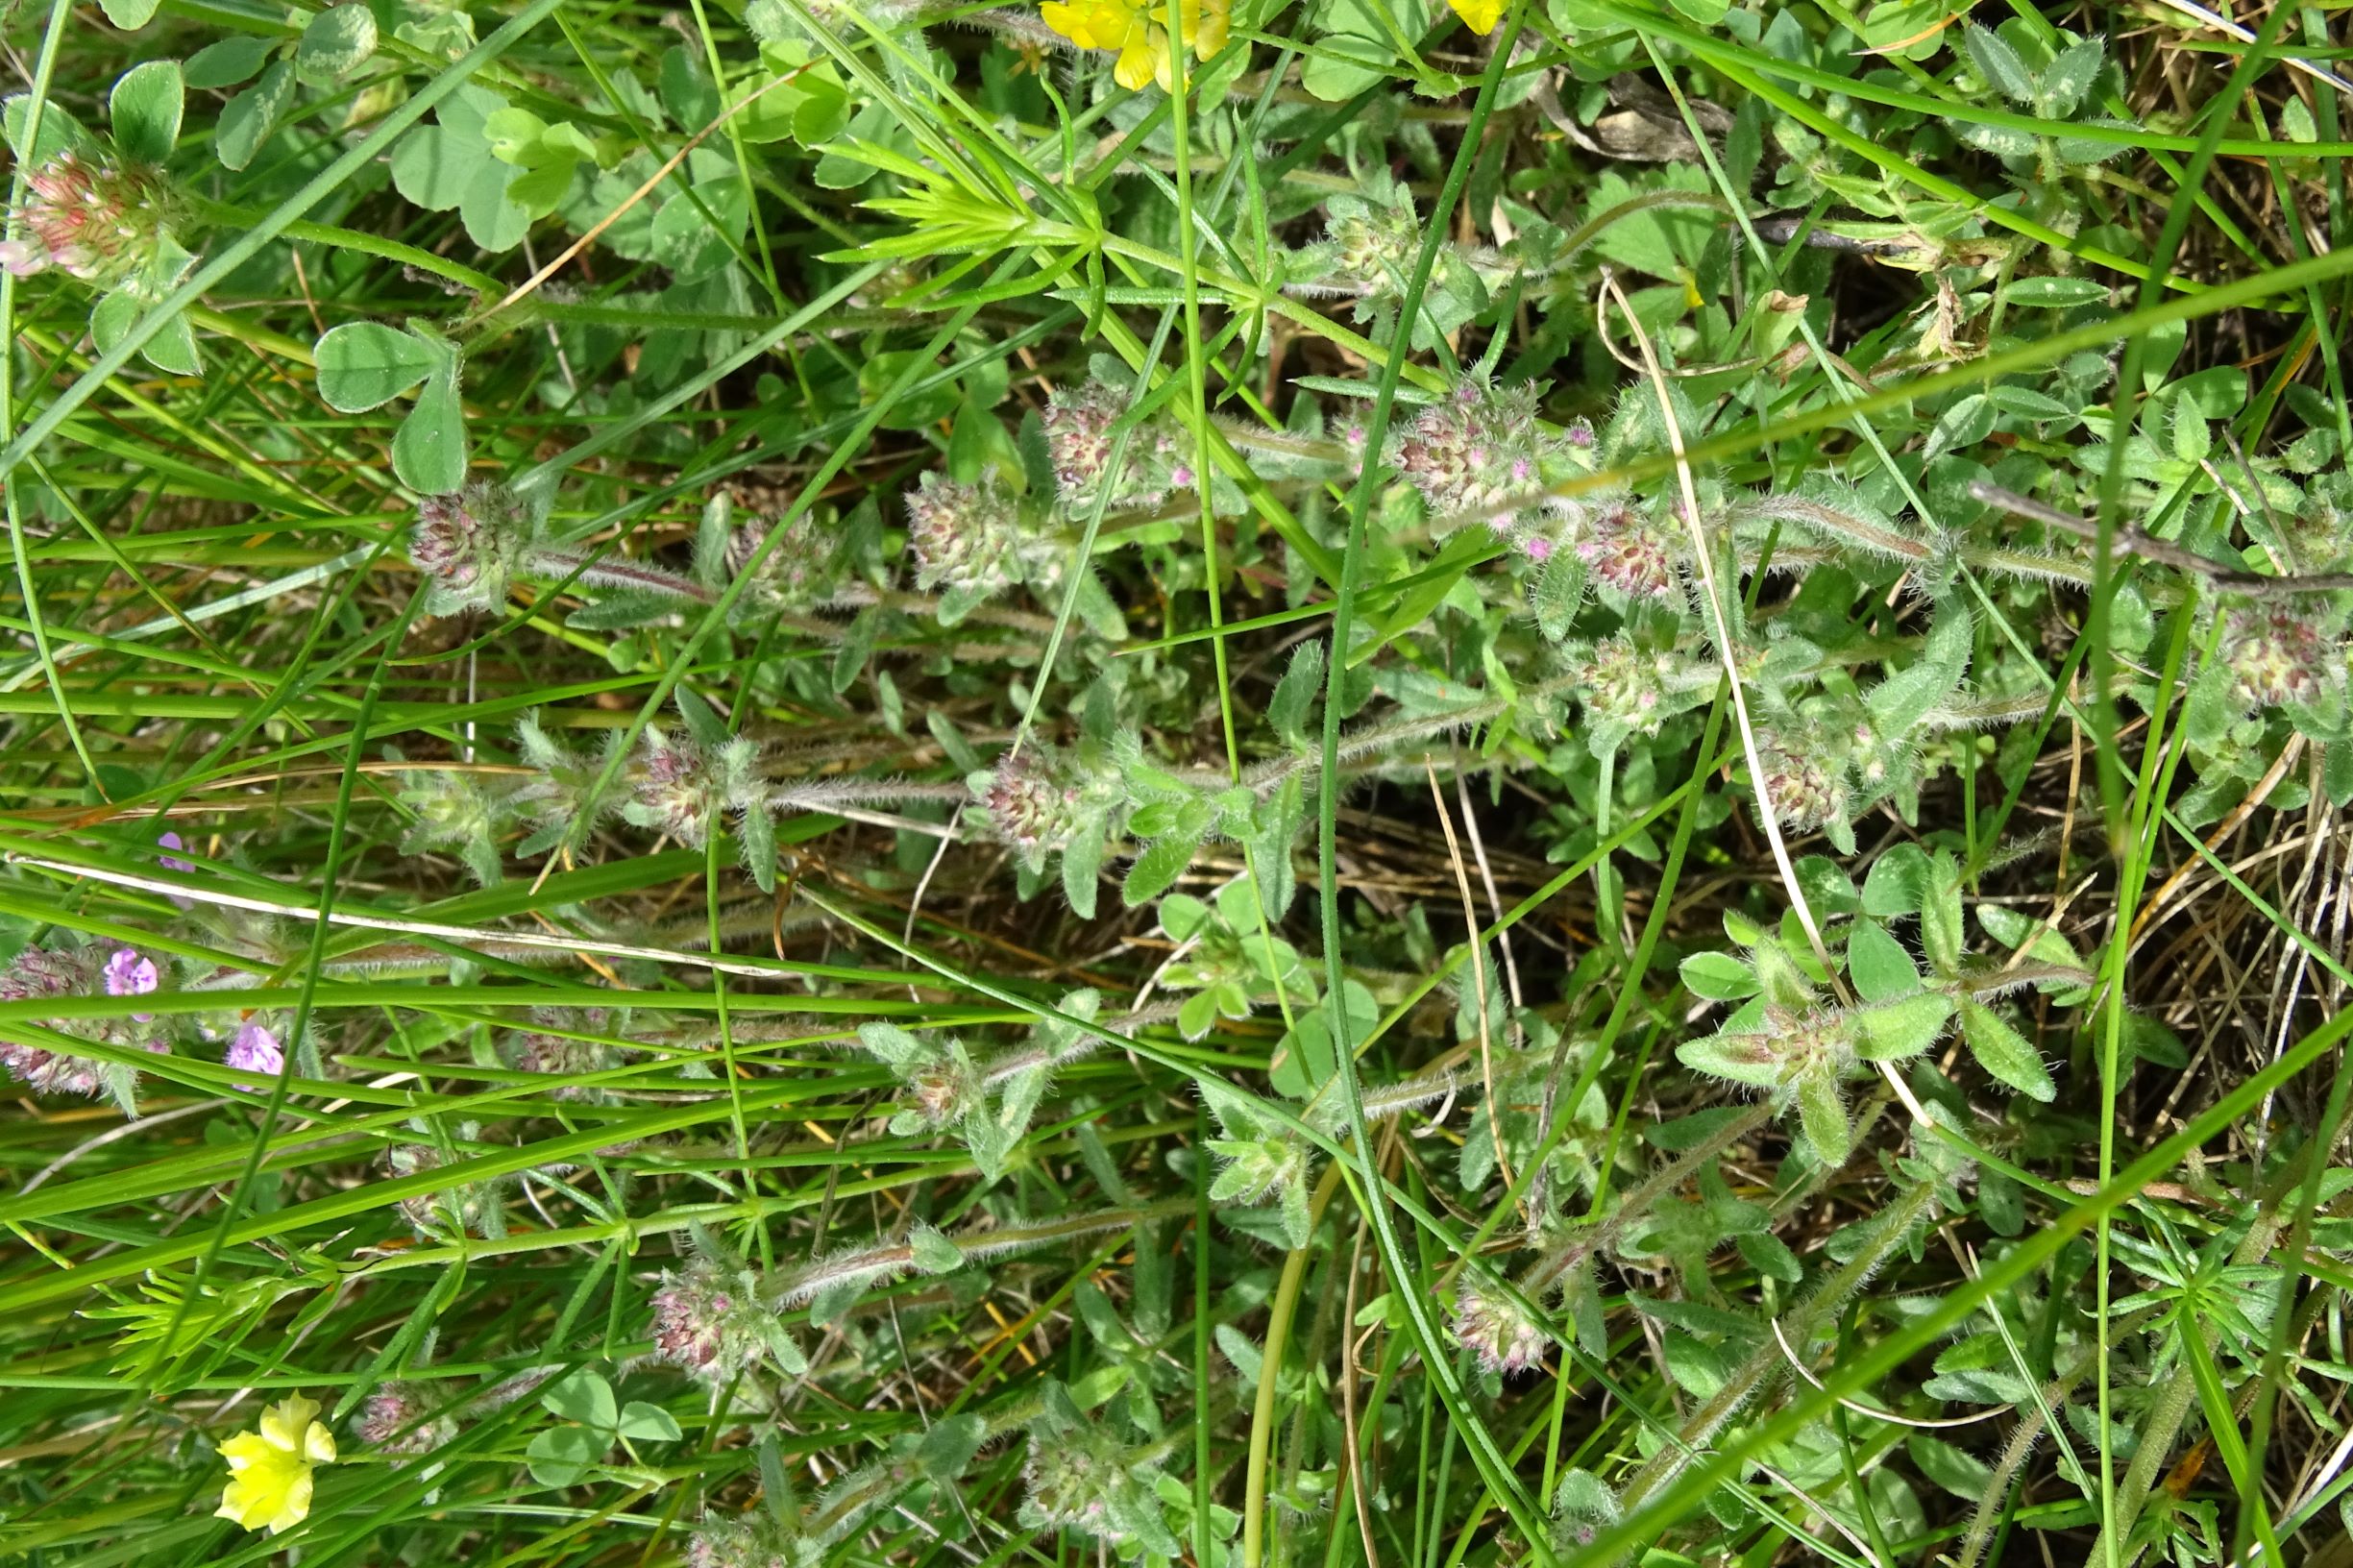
column 1372, row 248
column 557, row 1056
column 395, row 1420
column 1074, row 1481
column 750, row 1540
column 1806, row 791
column 470, row 546
column 802, row 572
column 706, row 1322
column 1498, row 1331
column 941, row 1092
column 686, row 788
column 39, row 973
column 1079, row 439
column 2281, row 653
column 1370, row 245
column 453, row 811
column 1037, row 803
column 1625, row 686
column 95, row 216
column 1623, row 548
column 975, row 538
column 471, row 1206
column 1480, row 451
column 562, row 788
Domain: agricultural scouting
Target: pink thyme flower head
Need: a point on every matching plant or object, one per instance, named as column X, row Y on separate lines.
column 255, row 1049
column 91, row 215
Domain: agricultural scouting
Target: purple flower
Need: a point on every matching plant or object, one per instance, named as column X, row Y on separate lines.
column 173, row 863
column 255, row 1050
column 129, row 974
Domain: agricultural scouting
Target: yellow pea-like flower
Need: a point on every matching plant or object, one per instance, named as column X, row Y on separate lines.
column 1143, row 60
column 1480, row 16
column 1205, row 24
column 1131, row 30
column 1093, row 24
column 269, row 1469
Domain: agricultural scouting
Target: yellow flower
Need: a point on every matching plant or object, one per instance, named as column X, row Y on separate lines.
column 269, row 1470
column 1205, row 23
column 1093, row 24
column 1479, row 16
column 1127, row 28
column 1145, row 59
